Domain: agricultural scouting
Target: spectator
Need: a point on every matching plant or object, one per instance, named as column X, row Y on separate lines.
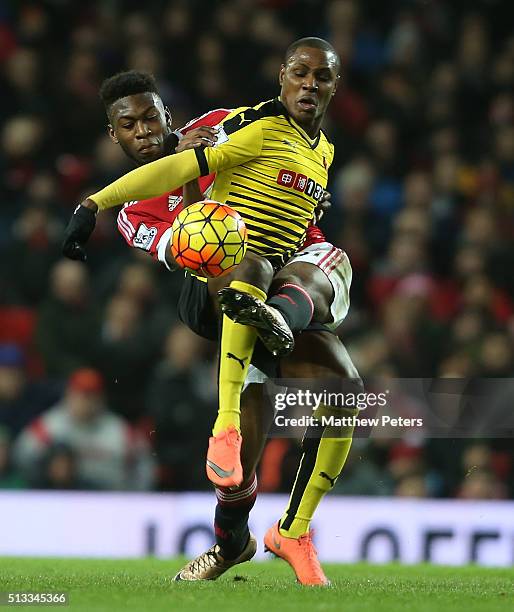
column 126, row 352
column 422, row 184
column 496, row 358
column 68, row 325
column 482, row 484
column 9, row 477
column 362, row 475
column 408, row 467
column 181, row 401
column 21, row 399
column 109, row 453
column 35, row 247
column 59, row 471
column 411, row 486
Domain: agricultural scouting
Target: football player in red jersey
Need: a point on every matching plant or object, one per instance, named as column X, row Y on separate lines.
column 140, row 123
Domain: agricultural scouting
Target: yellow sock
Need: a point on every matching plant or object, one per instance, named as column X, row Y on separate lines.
column 321, row 464
column 237, row 343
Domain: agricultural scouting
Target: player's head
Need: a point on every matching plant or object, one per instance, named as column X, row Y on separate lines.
column 308, row 80
column 138, row 119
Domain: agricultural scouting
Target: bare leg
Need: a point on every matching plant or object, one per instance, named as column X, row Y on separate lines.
column 314, row 281
column 254, row 270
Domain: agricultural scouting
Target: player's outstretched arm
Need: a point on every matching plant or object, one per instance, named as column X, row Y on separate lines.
column 171, row 172
column 83, row 220
column 150, row 180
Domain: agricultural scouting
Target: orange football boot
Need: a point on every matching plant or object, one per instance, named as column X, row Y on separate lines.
column 223, row 464
column 300, row 553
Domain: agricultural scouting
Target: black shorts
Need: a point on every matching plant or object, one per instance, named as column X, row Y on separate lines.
column 196, row 311
column 195, row 308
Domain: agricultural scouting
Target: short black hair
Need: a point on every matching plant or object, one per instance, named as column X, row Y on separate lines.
column 125, row 84
column 314, row 43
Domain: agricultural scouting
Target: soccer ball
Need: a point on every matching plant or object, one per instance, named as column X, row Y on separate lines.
column 208, row 238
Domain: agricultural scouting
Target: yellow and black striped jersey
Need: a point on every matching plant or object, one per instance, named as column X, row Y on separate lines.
column 267, row 168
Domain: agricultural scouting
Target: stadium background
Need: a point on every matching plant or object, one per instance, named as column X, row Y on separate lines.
column 423, row 202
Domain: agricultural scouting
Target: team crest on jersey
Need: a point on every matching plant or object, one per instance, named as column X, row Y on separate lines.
column 300, row 182
column 145, row 237
column 173, row 202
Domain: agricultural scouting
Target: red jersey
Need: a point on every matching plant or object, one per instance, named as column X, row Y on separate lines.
column 146, row 224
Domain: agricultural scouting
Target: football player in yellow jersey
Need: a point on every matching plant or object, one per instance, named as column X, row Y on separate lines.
column 271, row 163
column 324, row 349
column 290, row 129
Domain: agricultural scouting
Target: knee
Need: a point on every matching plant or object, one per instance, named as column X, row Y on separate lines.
column 316, row 285
column 262, row 266
column 257, row 270
column 285, row 276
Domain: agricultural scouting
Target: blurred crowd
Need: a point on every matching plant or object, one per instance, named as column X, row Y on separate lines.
column 100, row 386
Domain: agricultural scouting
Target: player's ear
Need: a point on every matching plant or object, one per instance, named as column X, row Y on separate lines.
column 336, row 84
column 281, row 75
column 167, row 114
column 112, row 134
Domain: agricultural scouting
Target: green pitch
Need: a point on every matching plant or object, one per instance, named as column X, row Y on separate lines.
column 144, row 585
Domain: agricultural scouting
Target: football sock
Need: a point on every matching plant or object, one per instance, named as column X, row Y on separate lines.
column 237, row 344
column 295, row 305
column 322, row 461
column 231, row 517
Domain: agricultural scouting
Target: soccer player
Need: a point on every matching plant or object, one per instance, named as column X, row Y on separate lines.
column 138, row 123
column 271, row 163
column 142, row 126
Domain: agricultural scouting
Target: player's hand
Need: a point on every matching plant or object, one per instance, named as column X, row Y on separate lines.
column 78, row 230
column 199, row 137
column 323, row 205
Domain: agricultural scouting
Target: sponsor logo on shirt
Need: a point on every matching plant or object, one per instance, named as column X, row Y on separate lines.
column 300, row 182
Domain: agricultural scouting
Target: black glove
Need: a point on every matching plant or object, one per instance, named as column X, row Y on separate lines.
column 77, row 232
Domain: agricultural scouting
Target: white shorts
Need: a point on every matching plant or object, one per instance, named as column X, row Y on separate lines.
column 335, row 264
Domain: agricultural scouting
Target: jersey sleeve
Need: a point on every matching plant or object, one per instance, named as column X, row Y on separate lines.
column 232, row 148
column 171, row 172
column 210, row 119
column 150, row 180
